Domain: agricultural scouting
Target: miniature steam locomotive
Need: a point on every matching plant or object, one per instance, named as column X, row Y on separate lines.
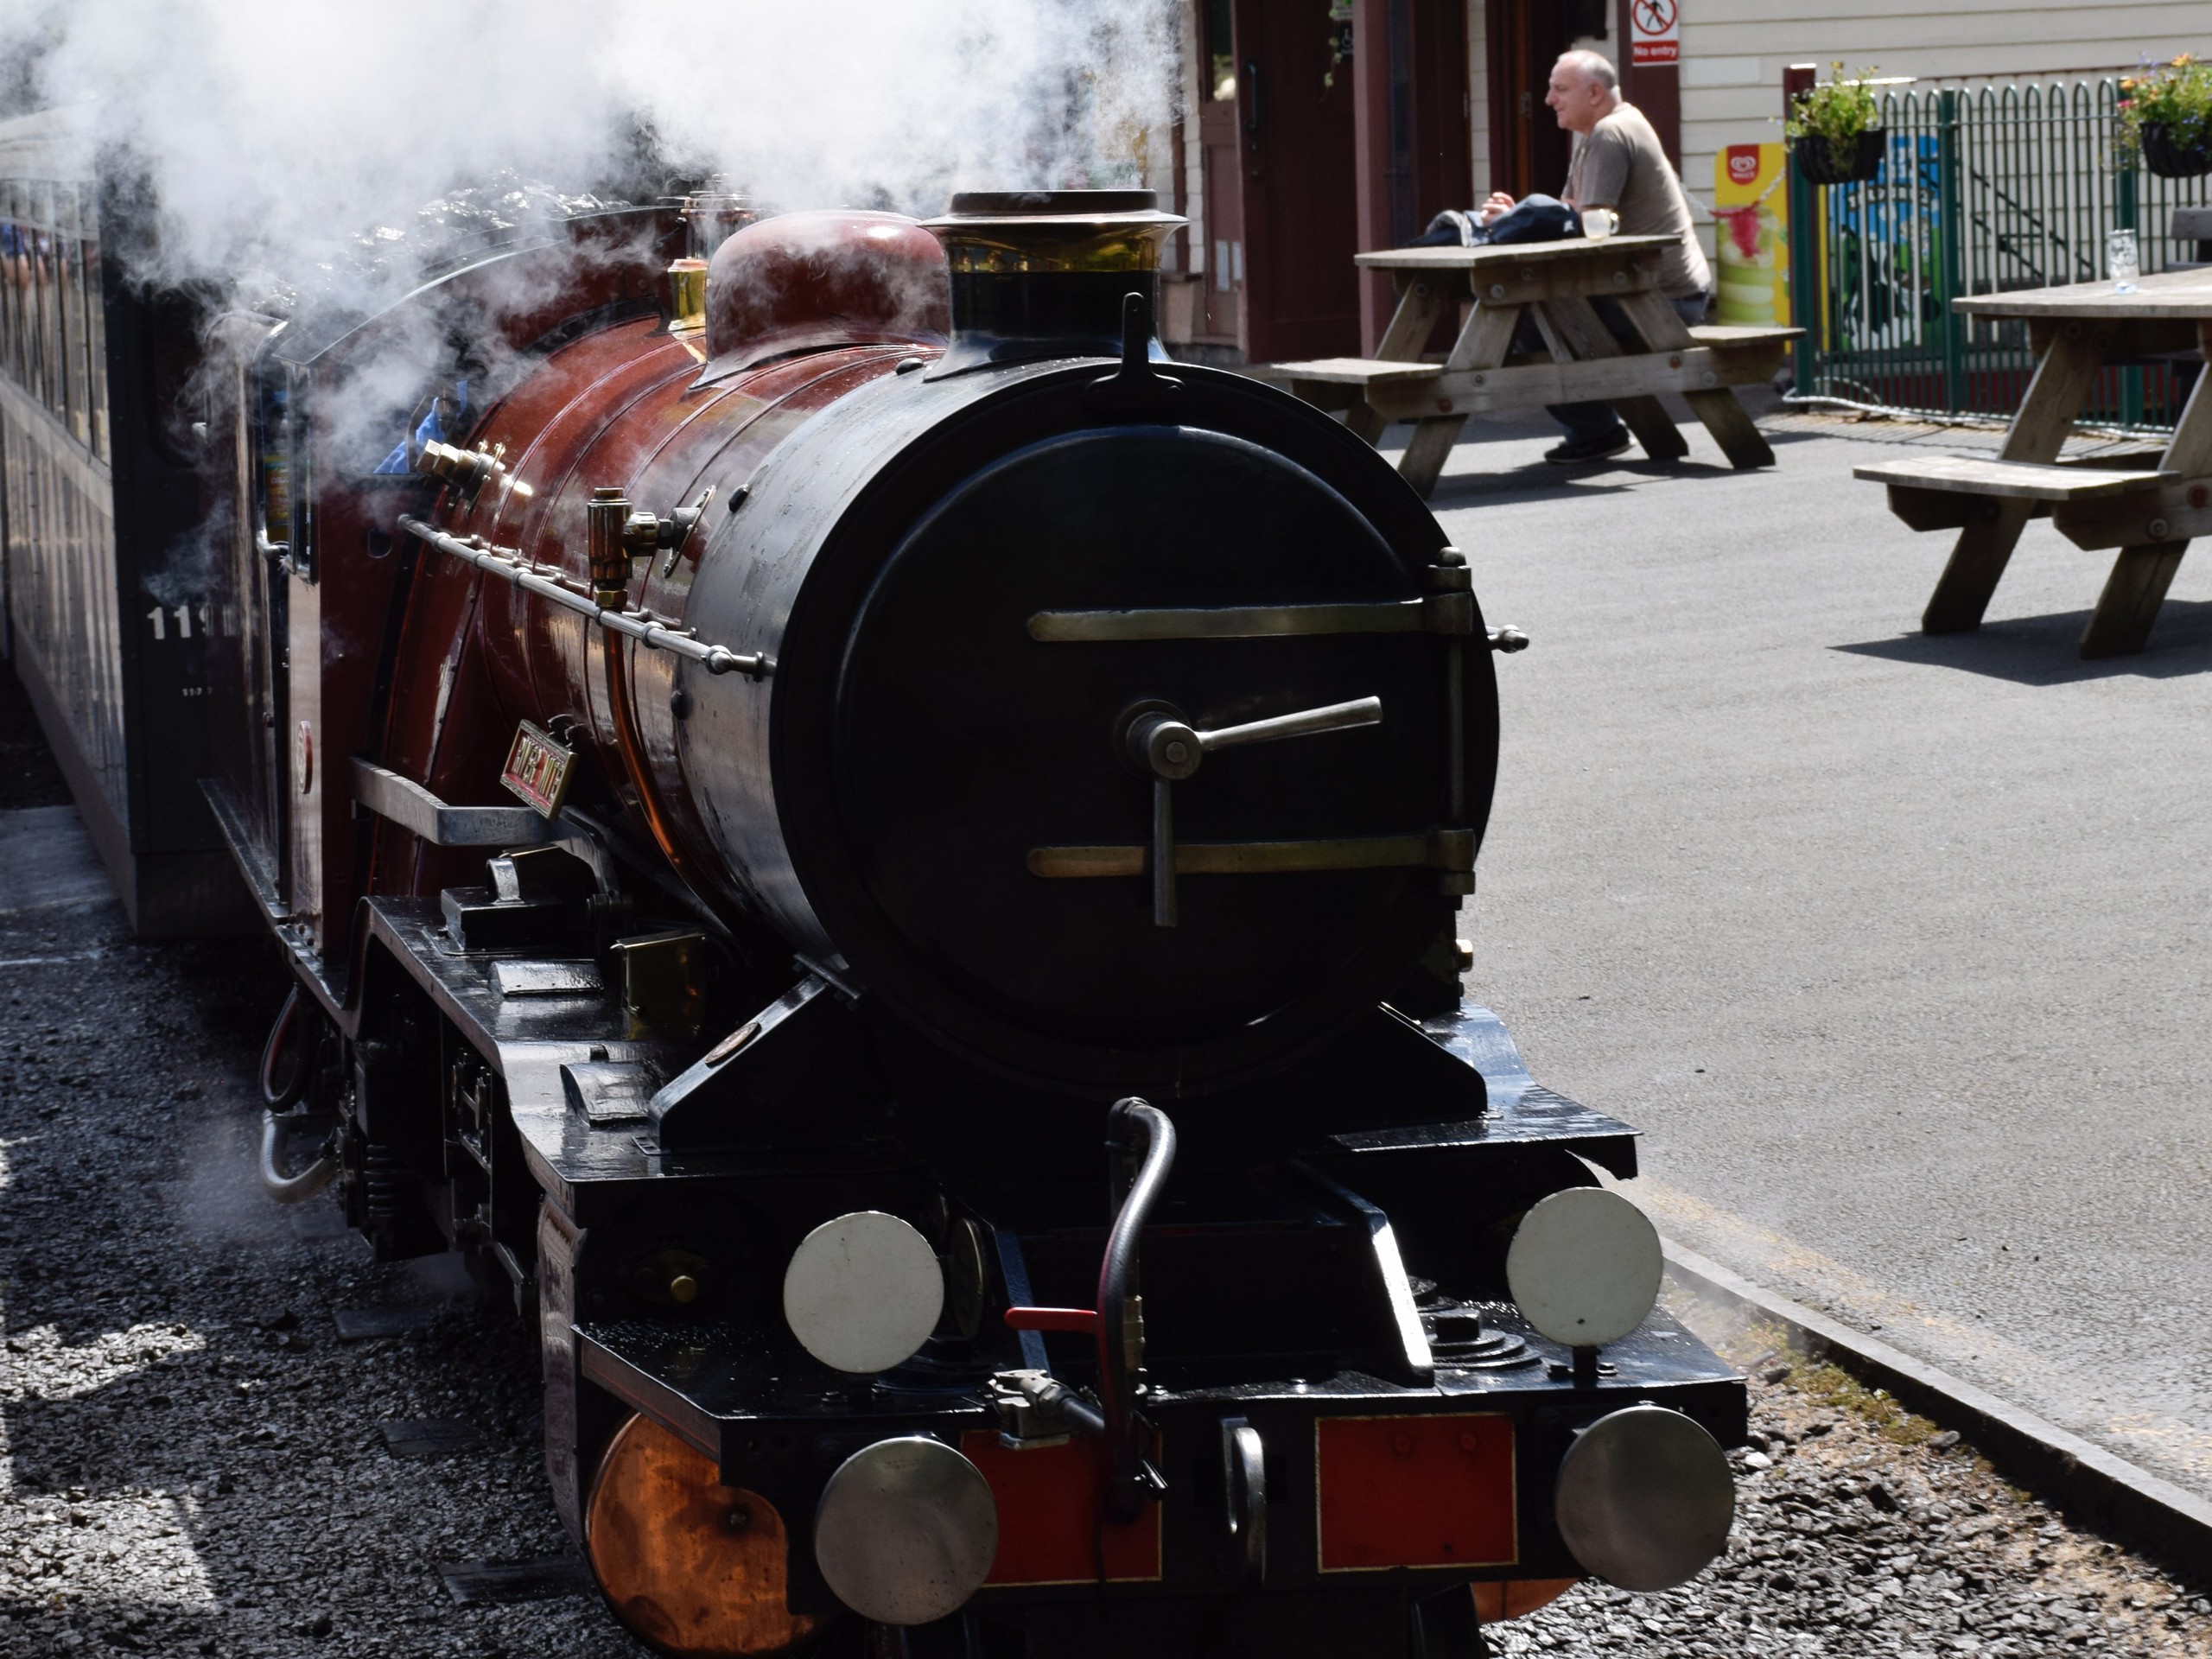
column 891, row 856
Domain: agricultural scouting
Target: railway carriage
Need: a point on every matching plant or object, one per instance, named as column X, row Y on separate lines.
column 109, row 606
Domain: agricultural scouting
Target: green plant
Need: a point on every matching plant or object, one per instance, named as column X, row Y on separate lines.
column 1834, row 112
column 2175, row 96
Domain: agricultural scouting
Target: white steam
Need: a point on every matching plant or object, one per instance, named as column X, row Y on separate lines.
column 276, row 136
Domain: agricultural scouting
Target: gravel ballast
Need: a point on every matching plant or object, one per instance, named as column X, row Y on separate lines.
column 195, row 1464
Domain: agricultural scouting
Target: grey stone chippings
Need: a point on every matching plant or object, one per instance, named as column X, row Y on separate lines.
column 190, row 1461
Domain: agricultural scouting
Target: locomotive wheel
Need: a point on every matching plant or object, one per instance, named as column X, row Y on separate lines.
column 692, row 1566
column 1498, row 1600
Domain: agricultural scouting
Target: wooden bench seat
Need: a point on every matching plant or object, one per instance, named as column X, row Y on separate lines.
column 1722, row 338
column 1346, row 371
column 2016, row 481
column 1413, row 391
column 1342, row 382
column 1737, row 336
column 1951, row 492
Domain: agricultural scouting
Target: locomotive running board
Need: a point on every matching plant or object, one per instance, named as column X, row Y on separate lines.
column 1516, row 1108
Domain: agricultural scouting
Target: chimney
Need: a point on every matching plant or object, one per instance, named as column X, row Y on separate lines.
column 1043, row 273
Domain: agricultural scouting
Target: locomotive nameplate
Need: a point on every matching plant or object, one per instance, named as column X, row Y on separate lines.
column 537, row 769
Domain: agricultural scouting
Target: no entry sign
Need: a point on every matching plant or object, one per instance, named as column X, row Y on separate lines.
column 1655, row 32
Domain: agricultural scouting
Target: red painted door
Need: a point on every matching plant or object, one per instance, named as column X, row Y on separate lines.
column 1529, row 151
column 1300, row 221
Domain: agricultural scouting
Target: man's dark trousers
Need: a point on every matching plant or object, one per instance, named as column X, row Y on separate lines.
column 1589, row 422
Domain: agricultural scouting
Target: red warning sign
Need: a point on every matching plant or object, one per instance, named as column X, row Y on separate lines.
column 1655, row 32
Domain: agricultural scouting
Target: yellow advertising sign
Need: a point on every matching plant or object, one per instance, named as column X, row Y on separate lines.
column 1752, row 204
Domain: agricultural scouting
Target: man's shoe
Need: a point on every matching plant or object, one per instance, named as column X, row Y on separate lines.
column 1582, row 449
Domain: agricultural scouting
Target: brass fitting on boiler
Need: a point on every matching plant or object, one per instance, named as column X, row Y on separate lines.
column 606, row 516
column 687, row 296
column 467, row 470
column 616, row 536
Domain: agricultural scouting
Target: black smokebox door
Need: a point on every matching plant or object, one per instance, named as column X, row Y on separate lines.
column 963, row 744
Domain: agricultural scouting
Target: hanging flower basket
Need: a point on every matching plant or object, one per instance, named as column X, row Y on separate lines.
column 1817, row 161
column 1832, row 130
column 2156, row 108
column 2170, row 160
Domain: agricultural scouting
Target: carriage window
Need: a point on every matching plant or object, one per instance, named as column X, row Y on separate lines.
column 73, row 405
column 42, row 326
column 52, row 318
column 13, row 272
column 96, row 345
column 53, row 349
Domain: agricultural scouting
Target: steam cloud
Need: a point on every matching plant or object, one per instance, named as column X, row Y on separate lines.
column 277, row 136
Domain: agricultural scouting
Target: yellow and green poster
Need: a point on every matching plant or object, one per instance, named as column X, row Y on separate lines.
column 1751, row 203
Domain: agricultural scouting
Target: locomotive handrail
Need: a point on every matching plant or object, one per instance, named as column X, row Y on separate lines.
column 654, row 636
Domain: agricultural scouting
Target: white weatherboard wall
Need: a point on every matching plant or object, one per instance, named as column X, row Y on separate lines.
column 1734, row 52
column 1189, row 95
column 1479, row 97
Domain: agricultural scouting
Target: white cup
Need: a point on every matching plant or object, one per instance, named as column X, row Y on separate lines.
column 1598, row 223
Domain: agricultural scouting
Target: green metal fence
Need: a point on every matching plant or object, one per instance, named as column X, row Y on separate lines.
column 1981, row 191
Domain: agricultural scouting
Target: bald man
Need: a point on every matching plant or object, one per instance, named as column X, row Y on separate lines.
column 1617, row 163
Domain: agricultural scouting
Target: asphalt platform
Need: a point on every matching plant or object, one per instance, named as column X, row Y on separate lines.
column 1895, row 946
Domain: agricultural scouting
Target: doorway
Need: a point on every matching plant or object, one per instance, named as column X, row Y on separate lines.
column 1296, row 181
column 1528, row 149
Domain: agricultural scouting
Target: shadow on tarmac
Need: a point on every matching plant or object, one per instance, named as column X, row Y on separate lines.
column 2043, row 650
column 1539, row 480
column 1545, row 482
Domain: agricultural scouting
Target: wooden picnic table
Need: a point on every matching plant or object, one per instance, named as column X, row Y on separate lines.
column 1554, row 282
column 2146, row 506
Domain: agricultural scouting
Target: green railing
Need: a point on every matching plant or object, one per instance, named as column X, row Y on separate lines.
column 1981, row 191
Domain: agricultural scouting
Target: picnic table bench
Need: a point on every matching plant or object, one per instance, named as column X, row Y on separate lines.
column 1554, row 282
column 2147, row 507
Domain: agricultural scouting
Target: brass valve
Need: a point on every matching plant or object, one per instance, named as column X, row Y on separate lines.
column 606, row 546
column 467, row 470
column 615, row 536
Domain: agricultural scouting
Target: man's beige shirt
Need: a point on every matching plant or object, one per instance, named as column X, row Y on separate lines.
column 1620, row 165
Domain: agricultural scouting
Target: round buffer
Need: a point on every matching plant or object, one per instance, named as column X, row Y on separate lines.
column 862, row 1292
column 1584, row 1266
column 1644, row 1498
column 906, row 1531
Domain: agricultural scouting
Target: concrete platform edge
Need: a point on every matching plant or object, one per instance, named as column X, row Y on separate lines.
column 2109, row 1494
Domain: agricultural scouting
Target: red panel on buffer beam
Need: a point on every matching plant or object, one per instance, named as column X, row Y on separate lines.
column 1415, row 1492
column 1048, row 1499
